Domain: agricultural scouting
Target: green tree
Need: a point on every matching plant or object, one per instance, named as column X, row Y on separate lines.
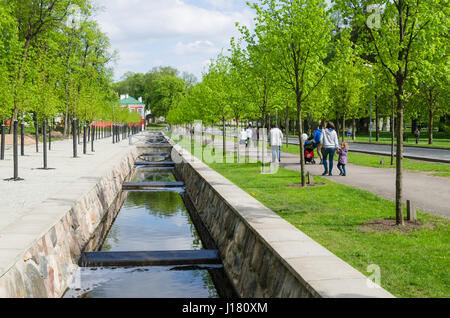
column 345, row 78
column 399, row 42
column 298, row 33
column 164, row 93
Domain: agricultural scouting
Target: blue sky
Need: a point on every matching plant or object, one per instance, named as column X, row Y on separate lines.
column 184, row 34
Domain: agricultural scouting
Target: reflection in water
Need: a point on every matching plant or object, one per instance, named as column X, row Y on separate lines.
column 142, row 282
column 152, row 221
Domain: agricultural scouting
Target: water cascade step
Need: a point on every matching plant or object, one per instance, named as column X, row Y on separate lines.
column 150, row 258
column 156, row 164
column 144, row 185
column 156, row 154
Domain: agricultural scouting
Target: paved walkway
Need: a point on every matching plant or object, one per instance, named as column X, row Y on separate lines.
column 442, row 155
column 429, row 193
column 70, row 177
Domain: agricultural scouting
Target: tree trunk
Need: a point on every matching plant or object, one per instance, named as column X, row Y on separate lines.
column 224, row 146
column 263, row 141
column 377, row 120
column 66, row 126
column 310, row 124
column 287, row 131
column 238, row 142
column 302, row 146
column 413, row 125
column 343, row 127
column 353, row 129
column 213, row 138
column 399, row 161
column 442, row 122
column 338, row 128
column 430, row 125
column 392, row 130
column 36, row 129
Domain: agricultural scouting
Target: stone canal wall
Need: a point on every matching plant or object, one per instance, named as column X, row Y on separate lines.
column 46, row 253
column 263, row 255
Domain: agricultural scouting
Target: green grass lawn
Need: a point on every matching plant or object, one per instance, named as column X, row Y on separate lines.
column 375, row 161
column 413, row 264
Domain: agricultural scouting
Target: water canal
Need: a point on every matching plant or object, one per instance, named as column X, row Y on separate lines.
column 155, row 218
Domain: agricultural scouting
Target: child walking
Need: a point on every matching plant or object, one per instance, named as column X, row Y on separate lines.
column 343, row 158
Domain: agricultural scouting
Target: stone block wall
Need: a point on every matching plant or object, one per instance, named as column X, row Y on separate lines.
column 47, row 265
column 252, row 267
column 263, row 255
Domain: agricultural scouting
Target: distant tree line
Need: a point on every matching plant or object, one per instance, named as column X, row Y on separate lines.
column 159, row 88
column 54, row 62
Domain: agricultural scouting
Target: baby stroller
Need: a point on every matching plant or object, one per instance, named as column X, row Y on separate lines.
column 309, row 152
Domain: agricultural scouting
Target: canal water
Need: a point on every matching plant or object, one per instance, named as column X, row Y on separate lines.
column 152, row 220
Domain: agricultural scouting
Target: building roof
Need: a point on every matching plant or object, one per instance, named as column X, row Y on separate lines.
column 130, row 101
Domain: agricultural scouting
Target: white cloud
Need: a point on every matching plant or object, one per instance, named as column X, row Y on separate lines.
column 141, row 20
column 196, row 47
column 183, row 34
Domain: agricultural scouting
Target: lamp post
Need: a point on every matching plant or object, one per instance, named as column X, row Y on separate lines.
column 370, row 113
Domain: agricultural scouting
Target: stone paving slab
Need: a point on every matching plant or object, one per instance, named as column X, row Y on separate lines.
column 70, row 178
column 31, row 207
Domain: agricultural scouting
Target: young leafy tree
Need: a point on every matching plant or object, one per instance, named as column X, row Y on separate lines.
column 254, row 69
column 345, row 78
column 399, row 42
column 35, row 18
column 298, row 35
column 164, row 93
column 9, row 50
column 217, row 85
column 433, row 82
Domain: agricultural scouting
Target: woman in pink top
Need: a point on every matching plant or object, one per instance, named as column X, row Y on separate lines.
column 343, row 158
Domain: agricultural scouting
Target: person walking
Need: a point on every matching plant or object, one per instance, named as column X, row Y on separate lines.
column 317, row 144
column 342, row 162
column 276, row 140
column 330, row 144
column 243, row 137
column 417, row 135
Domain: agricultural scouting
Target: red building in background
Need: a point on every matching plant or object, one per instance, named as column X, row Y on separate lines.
column 134, row 105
